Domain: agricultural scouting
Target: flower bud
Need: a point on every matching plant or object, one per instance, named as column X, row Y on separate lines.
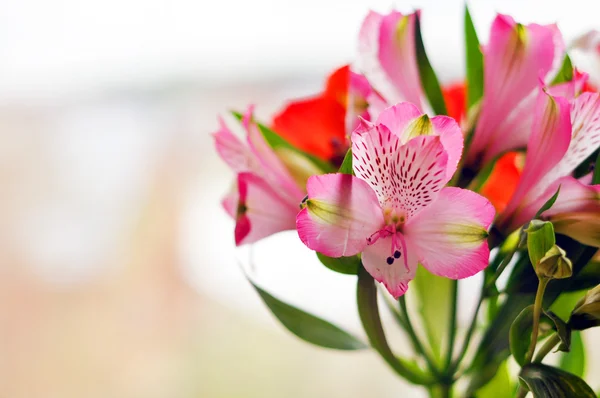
column 540, row 239
column 554, row 264
column 587, row 311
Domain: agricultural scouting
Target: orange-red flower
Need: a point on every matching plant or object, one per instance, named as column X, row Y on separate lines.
column 455, row 99
column 503, row 181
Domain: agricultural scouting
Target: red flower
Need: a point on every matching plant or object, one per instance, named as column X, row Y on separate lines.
column 455, row 99
column 503, row 181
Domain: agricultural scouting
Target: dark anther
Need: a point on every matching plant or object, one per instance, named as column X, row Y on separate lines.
column 397, row 254
column 390, row 260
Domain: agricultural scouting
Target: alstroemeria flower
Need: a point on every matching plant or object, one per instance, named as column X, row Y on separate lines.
column 396, row 211
column 515, row 59
column 564, row 134
column 502, row 182
column 265, row 198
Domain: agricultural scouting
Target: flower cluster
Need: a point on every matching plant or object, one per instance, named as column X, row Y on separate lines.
column 388, row 167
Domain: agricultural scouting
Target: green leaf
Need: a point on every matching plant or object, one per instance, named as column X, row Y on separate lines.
column 366, row 296
column 565, row 74
column 499, row 386
column 540, row 239
column 596, row 177
column 520, row 333
column 346, row 167
column 474, row 62
column 565, row 303
column 574, row 361
column 433, row 293
column 343, row 265
column 562, row 330
column 429, row 80
column 308, row 327
column 548, row 382
column 549, row 203
column 276, row 141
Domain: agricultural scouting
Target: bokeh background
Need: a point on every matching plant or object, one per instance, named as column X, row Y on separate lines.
column 118, row 272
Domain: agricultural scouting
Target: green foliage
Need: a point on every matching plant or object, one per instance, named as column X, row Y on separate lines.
column 276, row 141
column 429, row 80
column 366, row 295
column 562, row 330
column 308, row 327
column 549, row 203
column 343, row 265
column 474, row 62
column 548, row 382
column 433, row 293
column 574, row 361
column 596, row 176
column 565, row 74
column 346, row 167
column 520, row 333
column 499, row 386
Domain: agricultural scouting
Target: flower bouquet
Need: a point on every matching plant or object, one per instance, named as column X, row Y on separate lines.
column 390, row 177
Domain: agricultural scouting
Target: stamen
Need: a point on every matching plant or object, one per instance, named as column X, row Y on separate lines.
column 397, row 254
column 390, row 260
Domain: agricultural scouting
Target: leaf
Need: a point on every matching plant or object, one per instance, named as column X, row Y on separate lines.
column 562, row 330
column 433, row 293
column 343, row 265
column 429, row 80
column 574, row 361
column 520, row 333
column 474, row 62
column 548, row 382
column 346, row 167
column 366, row 296
column 276, row 141
column 549, row 203
column 596, row 176
column 499, row 386
column 565, row 303
column 308, row 327
column 565, row 74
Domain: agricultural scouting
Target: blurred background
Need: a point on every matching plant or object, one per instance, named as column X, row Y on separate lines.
column 118, row 271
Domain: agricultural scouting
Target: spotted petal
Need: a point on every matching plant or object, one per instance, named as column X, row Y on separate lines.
column 341, row 212
column 449, row 235
column 515, row 58
column 261, row 211
column 394, row 270
column 405, row 177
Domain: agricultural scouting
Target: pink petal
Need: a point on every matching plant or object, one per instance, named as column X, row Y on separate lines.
column 341, row 212
column 450, row 235
column 395, row 276
column 451, row 138
column 233, row 151
column 549, row 140
column 514, row 59
column 261, row 210
column 387, row 56
column 574, row 196
column 398, row 118
column 359, row 92
column 405, row 177
column 583, row 226
column 230, row 202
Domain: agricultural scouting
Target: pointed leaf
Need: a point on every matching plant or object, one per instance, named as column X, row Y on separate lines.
column 596, row 177
column 308, row 327
column 574, row 361
column 429, row 80
column 366, row 295
column 562, row 330
column 565, row 74
column 346, row 167
column 343, row 265
column 474, row 62
column 548, row 382
column 499, row 386
column 549, row 203
column 520, row 333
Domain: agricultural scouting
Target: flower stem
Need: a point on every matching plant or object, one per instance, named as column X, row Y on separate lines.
column 415, row 339
column 547, row 347
column 452, row 326
column 537, row 311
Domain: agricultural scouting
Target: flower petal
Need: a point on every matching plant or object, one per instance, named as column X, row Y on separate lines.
column 394, row 276
column 450, row 235
column 341, row 212
column 387, row 56
column 405, row 177
column 515, row 58
column 583, row 226
column 261, row 211
column 549, row 140
column 233, row 151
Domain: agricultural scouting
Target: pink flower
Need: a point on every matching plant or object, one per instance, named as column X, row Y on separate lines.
column 265, row 199
column 396, row 210
column 515, row 59
column 563, row 135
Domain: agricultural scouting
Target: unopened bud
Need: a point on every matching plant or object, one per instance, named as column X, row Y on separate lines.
column 587, row 311
column 554, row 264
column 540, row 239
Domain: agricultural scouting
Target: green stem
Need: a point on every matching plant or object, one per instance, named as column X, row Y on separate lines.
column 415, row 339
column 452, row 326
column 547, row 347
column 469, row 334
column 537, row 311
